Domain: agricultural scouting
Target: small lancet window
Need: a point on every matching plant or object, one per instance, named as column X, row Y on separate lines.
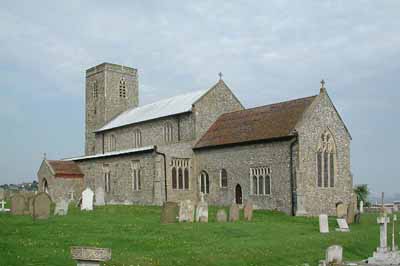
column 168, row 133
column 137, row 138
column 223, row 178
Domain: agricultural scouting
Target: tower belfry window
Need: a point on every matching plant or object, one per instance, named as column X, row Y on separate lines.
column 122, row 88
column 95, row 90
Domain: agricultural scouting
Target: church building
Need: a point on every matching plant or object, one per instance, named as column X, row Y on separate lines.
column 291, row 156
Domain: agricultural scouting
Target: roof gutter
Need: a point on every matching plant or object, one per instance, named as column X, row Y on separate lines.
column 165, row 171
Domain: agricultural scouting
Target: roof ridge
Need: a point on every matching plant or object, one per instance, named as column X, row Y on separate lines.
column 271, row 104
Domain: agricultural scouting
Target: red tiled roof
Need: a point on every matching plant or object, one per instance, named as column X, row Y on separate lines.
column 65, row 169
column 261, row 123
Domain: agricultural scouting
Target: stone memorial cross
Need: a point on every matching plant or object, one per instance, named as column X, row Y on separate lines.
column 383, row 221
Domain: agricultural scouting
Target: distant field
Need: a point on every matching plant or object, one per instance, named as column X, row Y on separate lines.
column 137, row 238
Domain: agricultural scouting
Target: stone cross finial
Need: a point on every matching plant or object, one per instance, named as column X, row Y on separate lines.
column 322, row 84
column 220, row 75
column 44, row 156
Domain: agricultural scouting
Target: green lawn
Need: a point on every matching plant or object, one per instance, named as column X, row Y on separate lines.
column 136, row 237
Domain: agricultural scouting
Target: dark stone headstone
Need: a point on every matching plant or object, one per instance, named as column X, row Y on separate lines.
column 17, row 204
column 41, row 206
column 169, row 212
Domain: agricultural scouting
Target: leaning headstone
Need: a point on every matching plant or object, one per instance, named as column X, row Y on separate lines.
column 323, row 223
column 234, row 213
column 202, row 211
column 334, row 255
column 41, row 206
column 343, row 226
column 87, row 200
column 341, row 210
column 221, row 216
column 248, row 210
column 90, row 256
column 186, row 211
column 17, row 204
column 61, row 207
column 169, row 213
column 395, row 208
column 99, row 197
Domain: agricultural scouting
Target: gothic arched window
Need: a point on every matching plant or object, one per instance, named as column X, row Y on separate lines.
column 122, row 88
column 180, row 178
column 136, row 182
column 137, row 139
column 223, row 178
column 204, row 183
column 326, row 159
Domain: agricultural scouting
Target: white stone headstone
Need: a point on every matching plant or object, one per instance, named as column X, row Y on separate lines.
column 61, row 207
column 99, row 197
column 334, row 255
column 323, row 223
column 343, row 226
column 87, row 200
column 361, row 206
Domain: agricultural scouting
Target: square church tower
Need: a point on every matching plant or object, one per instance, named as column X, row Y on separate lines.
column 110, row 90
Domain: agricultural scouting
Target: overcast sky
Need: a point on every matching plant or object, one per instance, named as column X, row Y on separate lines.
column 268, row 51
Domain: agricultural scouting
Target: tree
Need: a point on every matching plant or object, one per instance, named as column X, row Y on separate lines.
column 362, row 193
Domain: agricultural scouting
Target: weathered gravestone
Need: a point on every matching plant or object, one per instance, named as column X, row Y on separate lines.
column 29, row 206
column 341, row 210
column 87, row 200
column 17, row 204
column 41, row 206
column 234, row 213
column 221, row 216
column 90, row 256
column 100, row 196
column 186, row 211
column 169, row 212
column 343, row 226
column 352, row 209
column 61, row 207
column 248, row 210
column 2, row 194
column 334, row 255
column 323, row 223
column 361, row 206
column 202, row 211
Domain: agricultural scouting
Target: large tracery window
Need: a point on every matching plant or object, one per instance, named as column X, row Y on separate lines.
column 136, row 182
column 122, row 88
column 326, row 158
column 260, row 180
column 180, row 173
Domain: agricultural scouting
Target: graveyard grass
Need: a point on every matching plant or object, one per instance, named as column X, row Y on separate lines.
column 136, row 237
